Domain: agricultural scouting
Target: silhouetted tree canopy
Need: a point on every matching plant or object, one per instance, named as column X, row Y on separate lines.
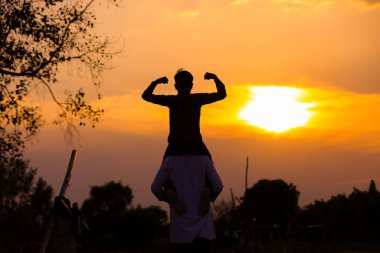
column 115, row 223
column 342, row 223
column 141, row 225
column 36, row 39
column 111, row 198
column 350, row 218
column 24, row 202
column 270, row 202
column 17, row 183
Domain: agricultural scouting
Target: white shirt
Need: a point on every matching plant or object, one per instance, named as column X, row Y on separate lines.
column 188, row 174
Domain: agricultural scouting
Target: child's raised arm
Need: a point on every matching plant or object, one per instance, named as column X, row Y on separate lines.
column 148, row 93
column 221, row 89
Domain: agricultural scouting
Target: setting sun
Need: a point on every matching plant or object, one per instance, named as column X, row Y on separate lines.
column 276, row 109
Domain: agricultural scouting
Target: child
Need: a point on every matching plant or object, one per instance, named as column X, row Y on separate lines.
column 185, row 136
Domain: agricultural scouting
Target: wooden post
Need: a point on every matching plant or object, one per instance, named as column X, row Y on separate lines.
column 232, row 198
column 246, row 175
column 66, row 181
column 65, row 184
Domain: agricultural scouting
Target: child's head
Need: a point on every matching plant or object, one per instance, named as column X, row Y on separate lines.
column 183, row 81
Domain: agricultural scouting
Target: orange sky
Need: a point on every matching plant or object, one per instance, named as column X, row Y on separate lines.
column 327, row 48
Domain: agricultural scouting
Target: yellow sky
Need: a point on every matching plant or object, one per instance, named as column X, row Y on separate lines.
column 327, row 48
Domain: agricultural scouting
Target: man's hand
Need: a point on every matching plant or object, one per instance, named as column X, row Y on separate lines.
column 209, row 76
column 161, row 80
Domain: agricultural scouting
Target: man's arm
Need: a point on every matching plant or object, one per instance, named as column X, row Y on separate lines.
column 221, row 89
column 216, row 182
column 148, row 93
column 157, row 186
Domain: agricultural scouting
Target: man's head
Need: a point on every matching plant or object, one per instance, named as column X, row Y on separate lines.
column 183, row 81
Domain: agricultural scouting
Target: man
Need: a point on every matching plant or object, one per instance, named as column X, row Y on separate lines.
column 191, row 231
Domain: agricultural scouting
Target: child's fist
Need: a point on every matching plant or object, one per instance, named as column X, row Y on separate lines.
column 209, row 76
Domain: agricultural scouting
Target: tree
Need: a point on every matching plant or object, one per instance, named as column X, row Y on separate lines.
column 351, row 218
column 372, row 190
column 104, row 210
column 114, row 223
column 140, row 226
column 36, row 39
column 270, row 202
column 111, row 198
column 17, row 183
column 24, row 202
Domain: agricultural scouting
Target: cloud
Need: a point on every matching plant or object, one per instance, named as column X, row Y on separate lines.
column 190, row 13
column 315, row 3
column 237, row 2
column 293, row 4
column 370, row 2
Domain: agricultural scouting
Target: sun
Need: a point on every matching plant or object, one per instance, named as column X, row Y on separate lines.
column 276, row 109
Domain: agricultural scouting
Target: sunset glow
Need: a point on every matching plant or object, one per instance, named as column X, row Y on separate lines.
column 276, row 109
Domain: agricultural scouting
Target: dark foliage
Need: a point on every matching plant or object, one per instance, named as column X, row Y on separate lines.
column 111, row 199
column 24, row 201
column 268, row 219
column 115, row 224
column 355, row 217
column 270, row 202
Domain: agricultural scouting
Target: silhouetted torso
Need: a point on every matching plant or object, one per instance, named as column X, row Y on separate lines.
column 185, row 111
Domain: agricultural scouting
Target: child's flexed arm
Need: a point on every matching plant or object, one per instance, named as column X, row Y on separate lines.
column 221, row 89
column 148, row 93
